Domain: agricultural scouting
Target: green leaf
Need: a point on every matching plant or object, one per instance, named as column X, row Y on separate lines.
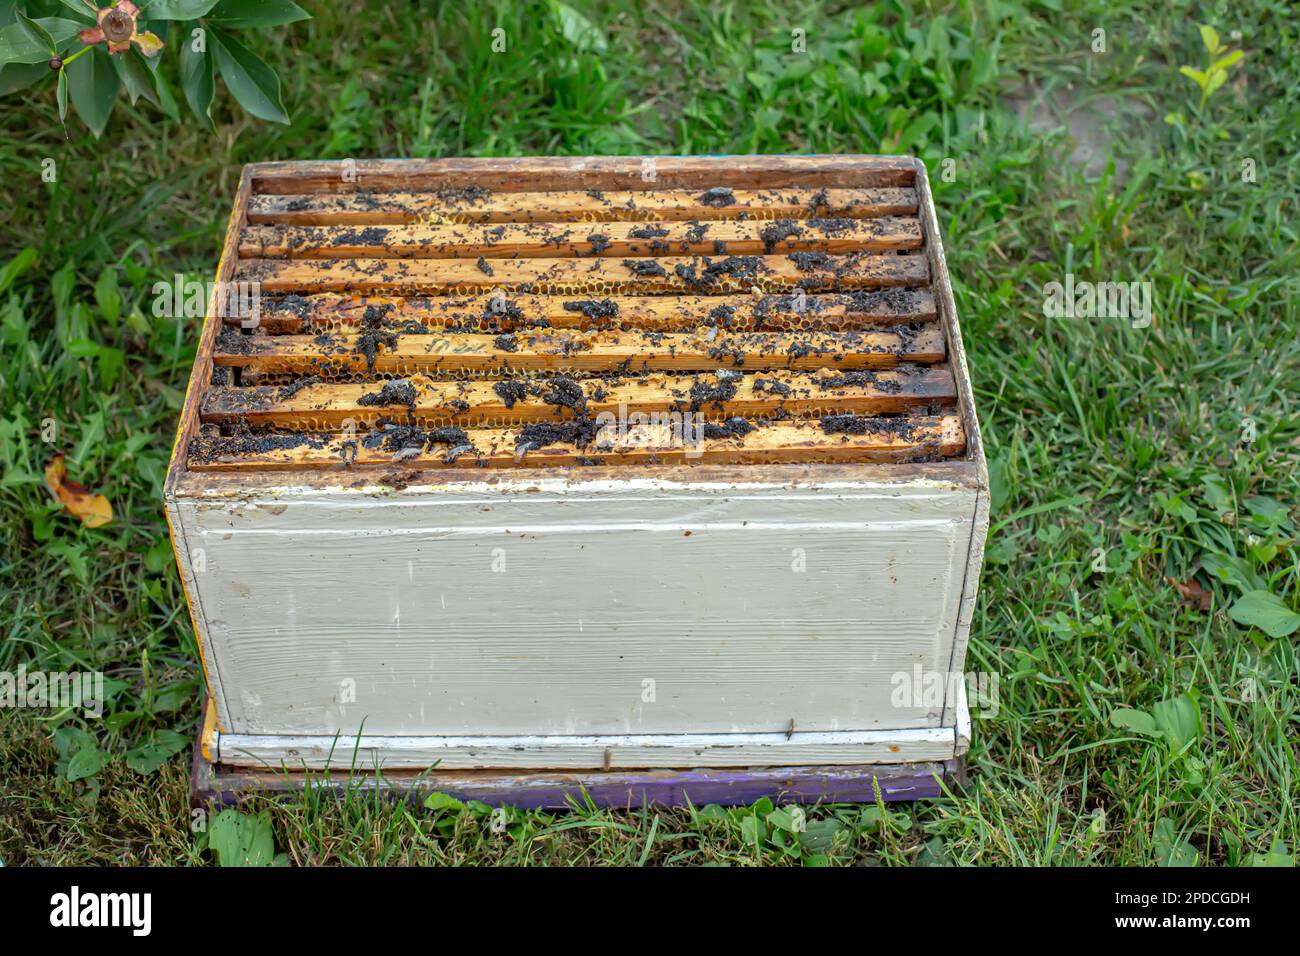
column 172, row 697
column 783, row 818
column 82, row 9
column 61, row 94
column 1170, row 850
column 252, row 83
column 174, row 9
column 441, row 801
column 73, row 555
column 135, row 76
column 1224, row 62
column 85, row 763
column 1277, row 855
column 1210, row 37
column 223, row 838
column 1174, row 505
column 35, row 41
column 1232, row 570
column 94, row 84
column 1272, row 512
column 819, row 835
column 1217, row 79
column 107, row 295
column 577, row 29
column 241, row 840
column 243, row 14
column 166, row 102
column 35, row 32
column 108, row 360
column 149, row 756
column 1218, row 494
column 933, row 853
column 68, row 740
column 1138, row 721
column 19, row 76
column 1195, row 75
column 999, row 483
column 873, row 819
column 15, row 267
column 1265, row 611
column 196, row 76
column 1178, row 720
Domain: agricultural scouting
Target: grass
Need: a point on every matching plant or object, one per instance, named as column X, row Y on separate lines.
column 1133, row 727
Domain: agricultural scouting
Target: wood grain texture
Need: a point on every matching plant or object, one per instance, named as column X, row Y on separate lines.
column 940, row 474
column 331, row 311
column 614, row 752
column 962, row 715
column 578, row 277
column 562, row 639
column 928, row 437
column 970, row 422
column 634, row 173
column 213, row 324
column 548, row 240
column 662, row 205
column 329, row 406
column 227, row 785
column 628, row 353
column 188, row 423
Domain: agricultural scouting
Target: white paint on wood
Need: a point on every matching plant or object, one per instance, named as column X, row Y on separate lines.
column 586, row 752
column 187, row 562
column 963, row 720
column 947, row 309
column 623, row 608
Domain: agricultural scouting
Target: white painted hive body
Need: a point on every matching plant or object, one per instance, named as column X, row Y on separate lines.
column 765, row 600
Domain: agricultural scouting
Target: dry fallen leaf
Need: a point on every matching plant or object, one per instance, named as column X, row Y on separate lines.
column 93, row 510
column 1193, row 594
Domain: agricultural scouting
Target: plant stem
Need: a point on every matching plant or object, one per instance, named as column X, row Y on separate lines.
column 75, row 55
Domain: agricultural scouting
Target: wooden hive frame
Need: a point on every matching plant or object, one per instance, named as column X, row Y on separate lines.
column 398, row 295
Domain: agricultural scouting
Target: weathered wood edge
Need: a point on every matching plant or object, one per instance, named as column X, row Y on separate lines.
column 200, row 376
column 215, row 785
column 523, row 174
column 962, row 742
column 941, row 284
column 194, row 603
column 246, row 486
column 587, row 752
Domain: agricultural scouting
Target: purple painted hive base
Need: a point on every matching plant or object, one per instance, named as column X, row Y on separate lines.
column 554, row 789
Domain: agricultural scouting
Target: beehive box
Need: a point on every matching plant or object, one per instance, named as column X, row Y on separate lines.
column 617, row 469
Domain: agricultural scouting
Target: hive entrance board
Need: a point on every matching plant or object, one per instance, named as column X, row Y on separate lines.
column 709, row 418
column 528, row 313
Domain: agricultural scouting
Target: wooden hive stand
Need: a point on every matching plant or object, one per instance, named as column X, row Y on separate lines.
column 651, row 478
